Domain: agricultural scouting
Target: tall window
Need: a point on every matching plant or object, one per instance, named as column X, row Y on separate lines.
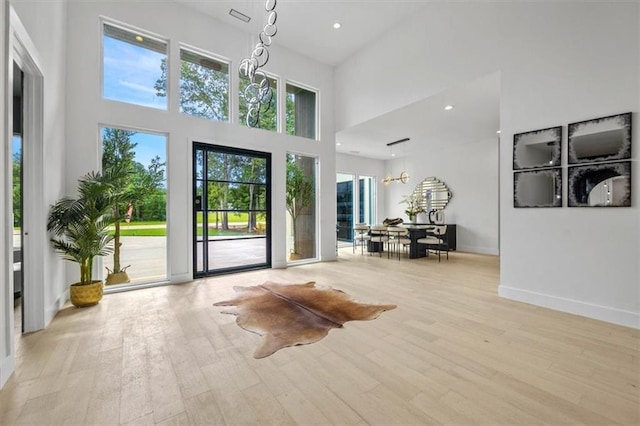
column 268, row 114
column 301, row 207
column 301, row 112
column 133, row 66
column 344, row 205
column 366, row 199
column 136, row 164
column 204, row 86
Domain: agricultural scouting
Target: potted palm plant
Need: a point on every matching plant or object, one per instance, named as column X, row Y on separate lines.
column 80, row 233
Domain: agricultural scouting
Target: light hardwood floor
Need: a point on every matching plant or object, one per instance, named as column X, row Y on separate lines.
column 452, row 352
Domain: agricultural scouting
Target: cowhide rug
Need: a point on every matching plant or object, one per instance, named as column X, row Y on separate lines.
column 294, row 314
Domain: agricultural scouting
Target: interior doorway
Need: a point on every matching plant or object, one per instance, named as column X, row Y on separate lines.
column 16, row 161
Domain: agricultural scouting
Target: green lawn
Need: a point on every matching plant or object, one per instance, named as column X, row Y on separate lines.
column 144, row 232
column 158, row 229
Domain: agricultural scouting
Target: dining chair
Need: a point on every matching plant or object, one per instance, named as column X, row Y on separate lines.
column 360, row 236
column 398, row 238
column 380, row 235
column 436, row 237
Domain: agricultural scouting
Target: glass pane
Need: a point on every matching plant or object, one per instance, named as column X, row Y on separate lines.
column 366, row 202
column 300, row 112
column 237, row 253
column 236, row 196
column 237, row 168
column 301, row 207
column 269, row 113
column 253, row 170
column 204, row 86
column 199, row 164
column 344, row 192
column 199, row 237
column 134, row 68
column 140, row 211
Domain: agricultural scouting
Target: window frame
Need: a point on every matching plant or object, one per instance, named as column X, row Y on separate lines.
column 101, row 259
column 144, row 33
column 214, row 57
column 317, row 111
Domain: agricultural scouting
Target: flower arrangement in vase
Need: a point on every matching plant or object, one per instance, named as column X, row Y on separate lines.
column 413, row 206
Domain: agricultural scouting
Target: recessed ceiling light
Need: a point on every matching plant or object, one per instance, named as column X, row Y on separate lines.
column 139, row 39
column 393, row 155
column 448, row 107
column 241, row 16
column 337, row 25
column 338, row 144
column 498, row 131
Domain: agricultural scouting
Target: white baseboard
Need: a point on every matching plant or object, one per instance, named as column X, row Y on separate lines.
column 181, row 278
column 602, row 313
column 7, row 367
column 51, row 312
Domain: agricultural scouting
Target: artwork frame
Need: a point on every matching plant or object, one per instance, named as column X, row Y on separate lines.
column 600, row 139
column 537, row 148
column 540, row 188
column 600, row 185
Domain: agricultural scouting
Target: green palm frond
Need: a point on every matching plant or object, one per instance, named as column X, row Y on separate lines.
column 80, row 225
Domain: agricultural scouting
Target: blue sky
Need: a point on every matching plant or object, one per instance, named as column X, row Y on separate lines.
column 130, row 73
column 16, row 143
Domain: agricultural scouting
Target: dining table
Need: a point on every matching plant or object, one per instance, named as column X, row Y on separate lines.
column 417, row 231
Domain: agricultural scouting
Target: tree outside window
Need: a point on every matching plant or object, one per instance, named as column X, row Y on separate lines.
column 204, row 86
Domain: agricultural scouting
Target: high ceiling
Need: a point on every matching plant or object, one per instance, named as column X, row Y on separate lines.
column 475, row 117
column 306, row 26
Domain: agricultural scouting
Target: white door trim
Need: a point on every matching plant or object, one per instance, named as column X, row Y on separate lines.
column 23, row 52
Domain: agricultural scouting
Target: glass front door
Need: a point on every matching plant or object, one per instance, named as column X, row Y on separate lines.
column 231, row 205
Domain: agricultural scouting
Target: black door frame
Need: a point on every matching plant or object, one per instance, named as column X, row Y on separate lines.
column 200, row 205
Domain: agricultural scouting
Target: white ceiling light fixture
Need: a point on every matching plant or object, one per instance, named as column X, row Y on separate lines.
column 337, row 25
column 404, row 176
column 448, row 107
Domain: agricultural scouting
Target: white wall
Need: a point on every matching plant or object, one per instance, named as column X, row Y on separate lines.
column 87, row 110
column 42, row 32
column 559, row 63
column 46, row 27
column 359, row 166
column 470, row 170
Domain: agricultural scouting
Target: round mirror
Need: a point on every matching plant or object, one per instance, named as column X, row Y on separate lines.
column 433, row 194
